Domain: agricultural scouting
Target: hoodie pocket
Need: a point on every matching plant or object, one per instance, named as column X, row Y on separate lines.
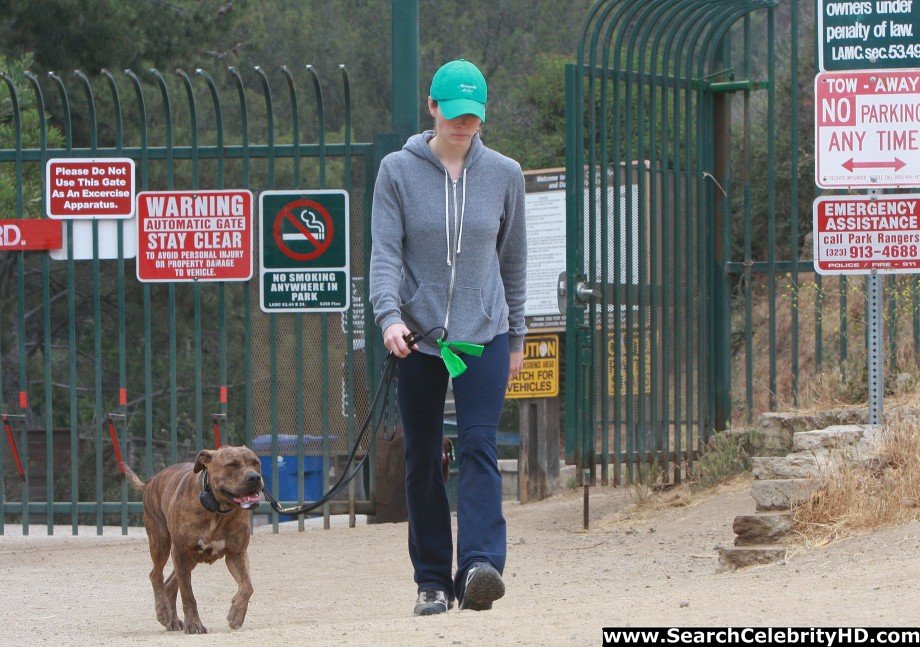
column 470, row 320
column 426, row 307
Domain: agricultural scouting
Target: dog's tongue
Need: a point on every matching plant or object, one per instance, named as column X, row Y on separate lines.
column 248, row 501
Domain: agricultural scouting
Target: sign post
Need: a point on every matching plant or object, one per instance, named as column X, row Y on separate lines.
column 867, row 136
column 304, row 264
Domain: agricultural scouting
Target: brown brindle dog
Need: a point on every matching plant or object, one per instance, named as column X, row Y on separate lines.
column 197, row 512
column 447, row 457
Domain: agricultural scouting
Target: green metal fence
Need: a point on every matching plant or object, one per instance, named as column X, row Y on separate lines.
column 90, row 355
column 693, row 305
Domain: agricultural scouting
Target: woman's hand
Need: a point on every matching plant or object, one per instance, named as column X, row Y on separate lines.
column 394, row 340
column 517, row 363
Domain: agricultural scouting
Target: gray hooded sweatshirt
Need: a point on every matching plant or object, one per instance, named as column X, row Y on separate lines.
column 449, row 253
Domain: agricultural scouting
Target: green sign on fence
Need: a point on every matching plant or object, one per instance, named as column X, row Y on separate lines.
column 864, row 35
column 304, row 264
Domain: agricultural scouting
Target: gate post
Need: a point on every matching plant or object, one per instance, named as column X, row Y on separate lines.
column 721, row 306
column 389, row 475
column 404, row 72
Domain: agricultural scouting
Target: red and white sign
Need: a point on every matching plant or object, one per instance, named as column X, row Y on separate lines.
column 194, row 235
column 89, row 188
column 859, row 234
column 867, row 129
column 18, row 235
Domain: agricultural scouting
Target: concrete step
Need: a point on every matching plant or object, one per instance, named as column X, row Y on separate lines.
column 835, row 437
column 732, row 559
column 782, row 494
column 793, row 466
column 763, row 528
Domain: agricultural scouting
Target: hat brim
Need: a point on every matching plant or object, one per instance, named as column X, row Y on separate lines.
column 457, row 107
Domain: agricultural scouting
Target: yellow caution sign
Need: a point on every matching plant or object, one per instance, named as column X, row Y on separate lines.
column 540, row 376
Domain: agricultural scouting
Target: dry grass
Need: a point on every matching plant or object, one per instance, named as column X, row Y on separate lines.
column 858, row 497
column 830, row 312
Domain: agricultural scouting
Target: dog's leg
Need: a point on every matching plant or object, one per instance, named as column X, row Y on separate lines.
column 164, row 602
column 183, row 575
column 238, row 565
column 172, row 591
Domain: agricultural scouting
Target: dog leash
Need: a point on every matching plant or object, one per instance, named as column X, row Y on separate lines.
column 389, row 372
column 381, row 400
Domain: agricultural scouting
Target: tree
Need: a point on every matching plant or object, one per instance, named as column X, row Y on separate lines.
column 96, row 34
column 531, row 127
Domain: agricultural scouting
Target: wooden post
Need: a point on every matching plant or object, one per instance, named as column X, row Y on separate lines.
column 538, row 466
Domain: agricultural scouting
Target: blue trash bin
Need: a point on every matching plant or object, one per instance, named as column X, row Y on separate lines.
column 288, row 478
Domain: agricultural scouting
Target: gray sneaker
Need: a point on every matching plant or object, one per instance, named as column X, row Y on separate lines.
column 483, row 586
column 432, row 601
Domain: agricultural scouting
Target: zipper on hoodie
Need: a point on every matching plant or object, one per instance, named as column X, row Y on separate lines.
column 452, row 258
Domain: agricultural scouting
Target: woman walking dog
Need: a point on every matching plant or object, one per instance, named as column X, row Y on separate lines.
column 448, row 263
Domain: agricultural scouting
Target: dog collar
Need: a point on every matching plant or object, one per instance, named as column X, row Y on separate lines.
column 207, row 498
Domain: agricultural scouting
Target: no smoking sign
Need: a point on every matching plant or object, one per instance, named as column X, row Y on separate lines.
column 304, row 265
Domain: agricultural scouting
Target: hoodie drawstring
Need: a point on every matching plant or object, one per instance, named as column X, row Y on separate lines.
column 451, row 254
column 462, row 213
column 447, row 212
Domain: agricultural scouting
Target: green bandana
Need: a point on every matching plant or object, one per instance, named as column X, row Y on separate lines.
column 455, row 365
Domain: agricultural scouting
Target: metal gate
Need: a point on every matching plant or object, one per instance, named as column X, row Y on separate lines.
column 647, row 292
column 93, row 362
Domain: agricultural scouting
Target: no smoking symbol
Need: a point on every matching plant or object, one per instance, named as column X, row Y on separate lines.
column 303, row 230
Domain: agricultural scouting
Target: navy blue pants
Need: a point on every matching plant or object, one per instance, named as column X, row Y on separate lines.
column 479, row 394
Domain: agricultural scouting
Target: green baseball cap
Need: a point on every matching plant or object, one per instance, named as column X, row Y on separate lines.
column 460, row 89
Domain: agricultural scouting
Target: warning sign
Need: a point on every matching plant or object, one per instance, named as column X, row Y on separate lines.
column 304, row 264
column 89, row 188
column 194, row 235
column 540, row 376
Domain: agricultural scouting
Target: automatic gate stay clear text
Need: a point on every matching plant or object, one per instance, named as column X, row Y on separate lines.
column 304, row 264
column 194, row 235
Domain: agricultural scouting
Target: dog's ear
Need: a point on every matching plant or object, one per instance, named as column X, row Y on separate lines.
column 205, row 456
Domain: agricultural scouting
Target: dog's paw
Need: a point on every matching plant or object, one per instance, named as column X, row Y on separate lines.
column 195, row 627
column 169, row 620
column 235, row 618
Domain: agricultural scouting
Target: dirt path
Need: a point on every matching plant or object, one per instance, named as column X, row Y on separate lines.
column 353, row 586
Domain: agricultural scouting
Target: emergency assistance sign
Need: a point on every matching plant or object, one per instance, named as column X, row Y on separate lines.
column 194, row 235
column 859, row 234
column 539, row 377
column 867, row 129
